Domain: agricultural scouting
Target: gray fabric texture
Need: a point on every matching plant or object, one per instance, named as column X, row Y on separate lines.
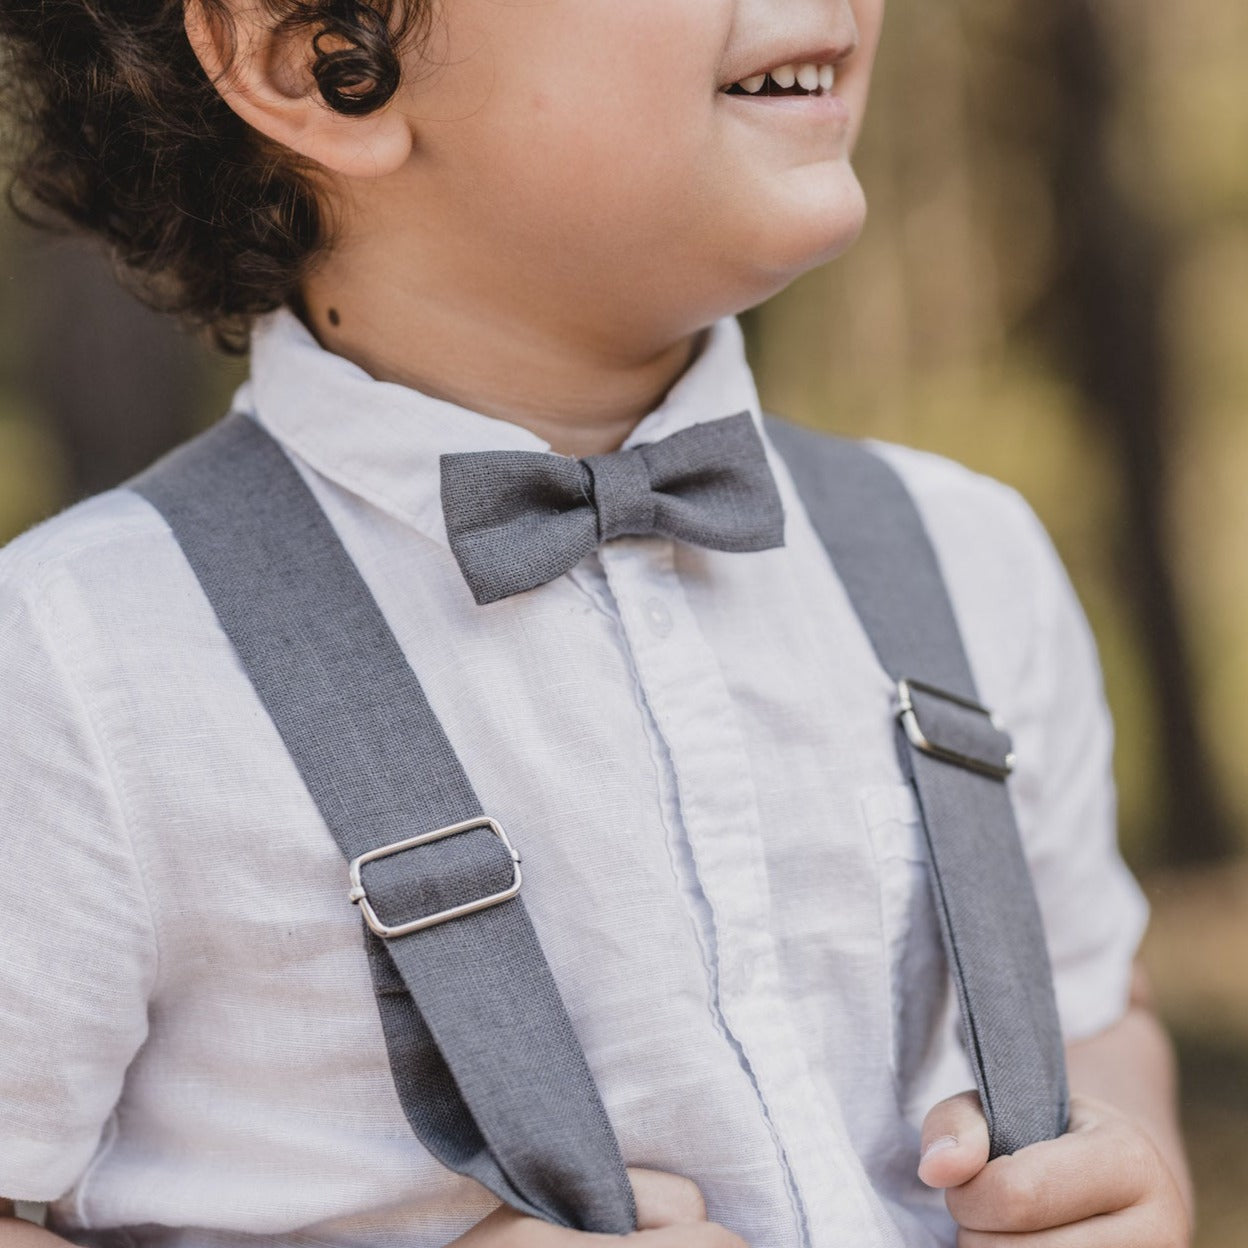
column 490, row 1075
column 990, row 920
column 517, row 519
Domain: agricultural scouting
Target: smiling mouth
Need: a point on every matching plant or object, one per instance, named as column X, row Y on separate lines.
column 787, row 80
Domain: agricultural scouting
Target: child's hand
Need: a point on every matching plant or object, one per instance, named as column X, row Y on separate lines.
column 670, row 1214
column 1102, row 1185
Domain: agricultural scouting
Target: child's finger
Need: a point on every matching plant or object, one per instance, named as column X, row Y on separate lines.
column 688, row 1235
column 670, row 1214
column 665, row 1199
column 1115, row 1230
column 1098, row 1169
column 955, row 1142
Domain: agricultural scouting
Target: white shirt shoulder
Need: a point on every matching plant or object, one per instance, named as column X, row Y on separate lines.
column 116, row 528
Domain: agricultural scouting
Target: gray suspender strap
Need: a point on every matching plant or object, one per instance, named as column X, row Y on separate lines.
column 958, row 761
column 485, row 1062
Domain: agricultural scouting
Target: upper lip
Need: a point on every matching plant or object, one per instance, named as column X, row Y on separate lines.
column 822, row 54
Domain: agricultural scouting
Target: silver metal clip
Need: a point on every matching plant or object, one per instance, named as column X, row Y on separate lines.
column 908, row 715
column 360, row 896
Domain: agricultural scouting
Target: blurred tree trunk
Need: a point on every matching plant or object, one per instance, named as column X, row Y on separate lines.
column 1105, row 312
column 117, row 382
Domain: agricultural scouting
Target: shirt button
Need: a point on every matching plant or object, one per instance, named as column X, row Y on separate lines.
column 658, row 616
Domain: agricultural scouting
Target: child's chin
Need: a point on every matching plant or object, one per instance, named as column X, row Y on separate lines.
column 813, row 232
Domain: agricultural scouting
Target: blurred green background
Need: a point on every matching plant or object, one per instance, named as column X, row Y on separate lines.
column 1052, row 288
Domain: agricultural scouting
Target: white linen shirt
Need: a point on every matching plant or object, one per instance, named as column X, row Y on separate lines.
column 694, row 751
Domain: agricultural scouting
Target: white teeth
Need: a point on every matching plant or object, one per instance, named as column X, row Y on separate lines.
column 808, row 77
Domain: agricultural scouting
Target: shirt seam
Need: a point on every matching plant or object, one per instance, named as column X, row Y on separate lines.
column 659, row 755
column 46, row 569
column 112, row 1130
column 118, row 792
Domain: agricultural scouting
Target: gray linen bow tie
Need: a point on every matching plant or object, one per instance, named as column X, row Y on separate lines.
column 517, row 519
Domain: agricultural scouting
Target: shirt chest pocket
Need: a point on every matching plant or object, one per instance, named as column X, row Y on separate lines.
column 925, row 1051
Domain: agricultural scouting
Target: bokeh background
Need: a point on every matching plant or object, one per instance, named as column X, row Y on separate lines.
column 1052, row 288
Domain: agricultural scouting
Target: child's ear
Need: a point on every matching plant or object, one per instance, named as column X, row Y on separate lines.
column 265, row 75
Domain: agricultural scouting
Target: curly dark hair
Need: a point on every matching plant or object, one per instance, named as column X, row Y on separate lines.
column 113, row 128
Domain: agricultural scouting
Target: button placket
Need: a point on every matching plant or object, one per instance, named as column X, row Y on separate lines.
column 684, row 689
column 683, row 685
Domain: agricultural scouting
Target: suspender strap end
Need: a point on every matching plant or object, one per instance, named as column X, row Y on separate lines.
column 954, row 729
column 359, row 894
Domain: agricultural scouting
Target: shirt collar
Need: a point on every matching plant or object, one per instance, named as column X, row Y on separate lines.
column 382, row 441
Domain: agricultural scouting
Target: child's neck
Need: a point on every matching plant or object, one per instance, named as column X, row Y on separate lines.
column 581, row 399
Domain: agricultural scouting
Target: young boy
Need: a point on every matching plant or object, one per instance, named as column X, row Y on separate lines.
column 527, row 227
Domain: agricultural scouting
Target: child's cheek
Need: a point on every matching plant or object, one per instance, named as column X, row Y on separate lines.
column 587, row 152
column 606, row 96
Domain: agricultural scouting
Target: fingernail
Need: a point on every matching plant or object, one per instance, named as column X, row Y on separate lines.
column 939, row 1146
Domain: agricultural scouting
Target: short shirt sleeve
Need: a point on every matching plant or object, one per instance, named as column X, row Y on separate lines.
column 78, row 956
column 1094, row 911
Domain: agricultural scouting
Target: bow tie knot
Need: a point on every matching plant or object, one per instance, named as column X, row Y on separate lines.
column 517, row 519
column 623, row 493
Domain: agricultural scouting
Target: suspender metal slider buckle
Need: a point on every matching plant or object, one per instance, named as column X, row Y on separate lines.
column 954, row 729
column 360, row 896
